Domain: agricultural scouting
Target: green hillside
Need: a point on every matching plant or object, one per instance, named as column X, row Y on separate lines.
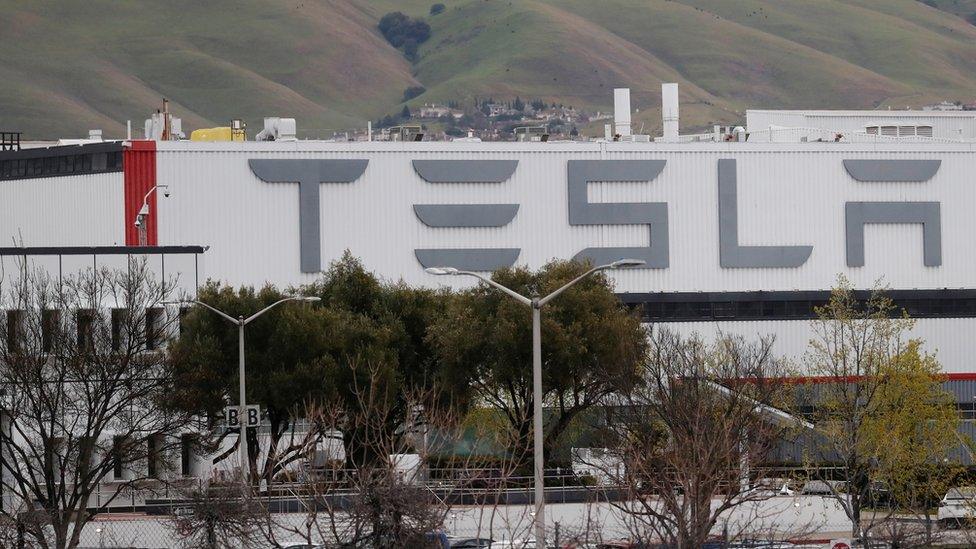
column 68, row 67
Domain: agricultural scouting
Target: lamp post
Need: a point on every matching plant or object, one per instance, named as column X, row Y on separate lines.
column 536, row 304
column 140, row 222
column 241, row 322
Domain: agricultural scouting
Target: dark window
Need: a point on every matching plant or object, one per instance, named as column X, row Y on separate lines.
column 15, row 330
column 99, row 162
column 85, row 324
column 50, row 326
column 795, row 305
column 154, row 326
column 117, row 453
column 153, row 448
column 118, row 328
column 187, row 444
column 723, row 309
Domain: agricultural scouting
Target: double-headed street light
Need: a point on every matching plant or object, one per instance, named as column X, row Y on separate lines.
column 536, row 304
column 241, row 322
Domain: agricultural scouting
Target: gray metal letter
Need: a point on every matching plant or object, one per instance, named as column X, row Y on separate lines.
column 308, row 174
column 465, row 171
column 466, row 215
column 653, row 214
column 892, row 171
column 731, row 254
column 468, row 259
column 926, row 213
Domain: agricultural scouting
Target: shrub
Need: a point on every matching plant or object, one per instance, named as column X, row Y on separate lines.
column 436, row 8
column 411, row 92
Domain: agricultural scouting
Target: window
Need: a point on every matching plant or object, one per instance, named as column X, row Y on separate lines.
column 118, row 328
column 188, row 443
column 154, row 327
column 154, row 447
column 118, row 452
column 891, row 131
column 924, row 131
column 50, row 326
column 85, row 324
column 871, row 130
column 15, row 330
column 906, row 131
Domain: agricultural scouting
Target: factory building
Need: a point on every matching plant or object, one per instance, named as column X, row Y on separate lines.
column 740, row 232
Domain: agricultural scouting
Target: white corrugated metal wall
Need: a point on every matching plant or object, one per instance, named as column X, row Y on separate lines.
column 788, row 195
column 949, row 339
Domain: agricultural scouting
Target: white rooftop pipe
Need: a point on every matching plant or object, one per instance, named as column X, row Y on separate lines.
column 669, row 110
column 621, row 112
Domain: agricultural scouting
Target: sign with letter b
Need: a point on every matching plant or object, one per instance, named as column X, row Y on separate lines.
column 252, row 416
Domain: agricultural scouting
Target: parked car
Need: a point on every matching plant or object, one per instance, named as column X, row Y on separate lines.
column 822, row 487
column 958, row 506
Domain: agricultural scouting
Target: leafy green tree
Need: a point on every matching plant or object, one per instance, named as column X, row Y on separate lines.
column 885, row 417
column 302, row 354
column 437, row 8
column 591, row 347
column 910, row 433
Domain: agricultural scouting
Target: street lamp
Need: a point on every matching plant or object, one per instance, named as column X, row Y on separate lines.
column 536, row 304
column 140, row 221
column 241, row 322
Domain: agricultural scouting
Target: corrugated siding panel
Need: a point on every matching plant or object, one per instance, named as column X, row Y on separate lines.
column 139, row 166
column 949, row 339
column 787, row 196
column 76, row 210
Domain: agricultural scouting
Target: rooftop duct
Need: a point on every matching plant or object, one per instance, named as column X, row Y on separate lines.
column 669, row 111
column 621, row 112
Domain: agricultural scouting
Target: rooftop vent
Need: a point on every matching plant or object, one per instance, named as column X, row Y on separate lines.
column 277, row 129
column 9, row 141
column 669, row 111
column 621, row 111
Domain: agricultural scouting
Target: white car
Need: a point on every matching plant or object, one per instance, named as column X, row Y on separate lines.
column 958, row 506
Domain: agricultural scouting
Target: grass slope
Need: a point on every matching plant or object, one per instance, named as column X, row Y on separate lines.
column 71, row 66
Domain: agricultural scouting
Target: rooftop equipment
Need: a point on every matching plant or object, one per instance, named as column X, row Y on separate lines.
column 406, row 133
column 621, row 112
column 277, row 129
column 163, row 126
column 532, row 133
column 9, row 141
column 669, row 111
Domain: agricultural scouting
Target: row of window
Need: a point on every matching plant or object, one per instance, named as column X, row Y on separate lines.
column 84, row 325
column 51, row 166
column 792, row 309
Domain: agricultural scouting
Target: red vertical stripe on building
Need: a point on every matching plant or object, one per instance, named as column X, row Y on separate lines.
column 139, row 169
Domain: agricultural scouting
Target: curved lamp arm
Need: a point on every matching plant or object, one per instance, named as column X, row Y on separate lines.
column 279, row 302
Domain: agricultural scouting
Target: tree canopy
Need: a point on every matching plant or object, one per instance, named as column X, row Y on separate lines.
column 297, row 354
column 591, row 346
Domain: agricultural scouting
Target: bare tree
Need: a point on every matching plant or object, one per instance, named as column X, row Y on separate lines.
column 690, row 436
column 219, row 515
column 83, row 375
column 386, row 495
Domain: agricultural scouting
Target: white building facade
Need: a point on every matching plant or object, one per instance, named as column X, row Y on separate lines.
column 738, row 236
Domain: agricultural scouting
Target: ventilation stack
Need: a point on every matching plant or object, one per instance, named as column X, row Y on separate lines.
column 669, row 111
column 621, row 112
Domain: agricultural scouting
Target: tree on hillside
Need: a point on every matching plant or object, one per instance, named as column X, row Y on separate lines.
column 886, row 418
column 591, row 347
column 401, row 31
column 437, row 8
column 84, row 378
column 690, row 436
